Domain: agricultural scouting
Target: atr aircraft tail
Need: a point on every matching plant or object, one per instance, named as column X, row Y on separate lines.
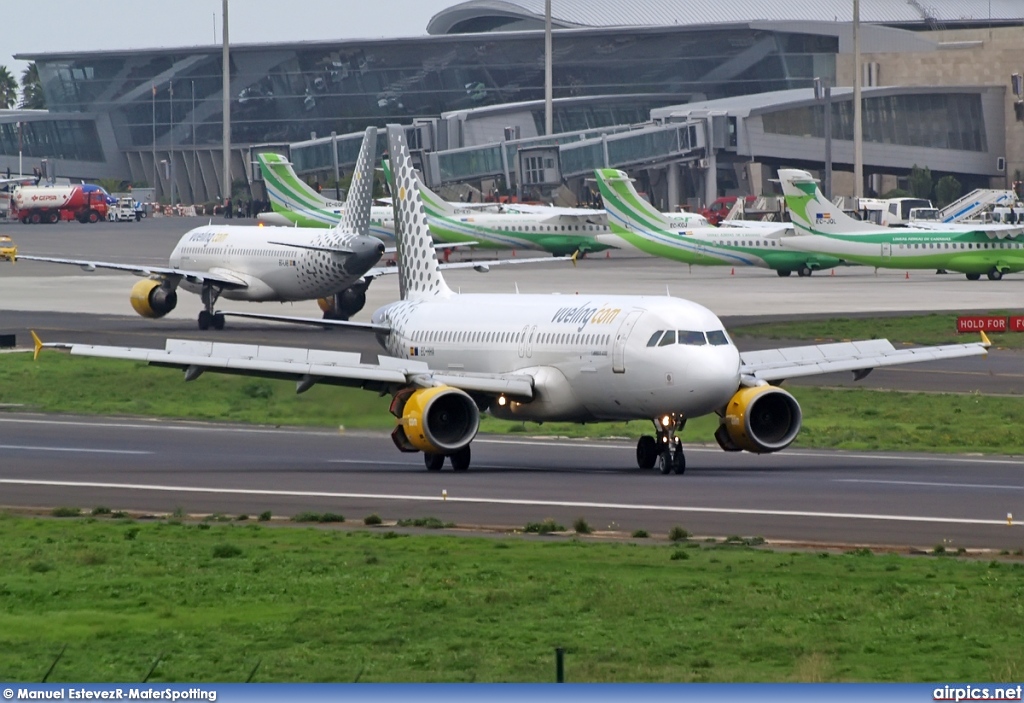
column 435, row 205
column 812, row 213
column 288, row 192
column 625, row 207
column 418, row 274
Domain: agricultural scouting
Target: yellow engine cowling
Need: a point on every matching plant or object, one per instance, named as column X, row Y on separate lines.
column 761, row 420
column 150, row 299
column 438, row 420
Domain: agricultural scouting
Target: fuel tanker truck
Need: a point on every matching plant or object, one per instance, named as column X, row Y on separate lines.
column 51, row 204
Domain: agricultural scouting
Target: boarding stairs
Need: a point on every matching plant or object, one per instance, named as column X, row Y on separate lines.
column 974, row 203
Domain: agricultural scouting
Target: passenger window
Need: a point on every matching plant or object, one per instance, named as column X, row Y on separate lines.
column 669, row 338
column 718, row 338
column 653, row 341
column 693, row 338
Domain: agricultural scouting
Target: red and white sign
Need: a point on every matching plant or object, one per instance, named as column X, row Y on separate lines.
column 981, row 323
column 1017, row 323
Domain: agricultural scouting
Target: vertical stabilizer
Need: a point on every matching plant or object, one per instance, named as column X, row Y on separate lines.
column 418, row 274
column 624, row 205
column 288, row 192
column 435, row 205
column 356, row 216
column 812, row 213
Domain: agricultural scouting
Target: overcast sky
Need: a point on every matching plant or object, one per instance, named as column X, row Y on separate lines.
column 81, row 25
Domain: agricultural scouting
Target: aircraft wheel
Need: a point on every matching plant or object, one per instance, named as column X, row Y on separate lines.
column 460, row 459
column 434, row 462
column 995, row 275
column 973, row 276
column 783, row 274
column 804, row 271
column 646, row 452
column 217, row 321
column 205, row 320
column 679, row 459
column 665, row 462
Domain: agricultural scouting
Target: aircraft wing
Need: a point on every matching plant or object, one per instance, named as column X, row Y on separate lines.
column 859, row 357
column 220, row 277
column 306, row 367
column 992, row 230
column 482, row 266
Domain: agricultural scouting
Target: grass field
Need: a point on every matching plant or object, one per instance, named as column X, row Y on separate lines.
column 933, row 328
column 336, row 605
column 845, row 419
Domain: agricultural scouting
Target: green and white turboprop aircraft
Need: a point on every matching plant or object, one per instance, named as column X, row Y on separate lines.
column 825, row 230
column 294, row 202
column 637, row 222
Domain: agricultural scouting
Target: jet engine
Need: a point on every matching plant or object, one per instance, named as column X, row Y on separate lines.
column 343, row 305
column 151, row 299
column 440, row 420
column 762, row 419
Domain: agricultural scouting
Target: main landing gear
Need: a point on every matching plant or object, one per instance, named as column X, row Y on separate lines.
column 460, row 460
column 666, row 450
column 208, row 318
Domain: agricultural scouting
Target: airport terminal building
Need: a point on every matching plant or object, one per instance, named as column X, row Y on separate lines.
column 698, row 94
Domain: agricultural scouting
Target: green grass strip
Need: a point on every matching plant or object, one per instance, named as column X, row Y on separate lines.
column 333, row 605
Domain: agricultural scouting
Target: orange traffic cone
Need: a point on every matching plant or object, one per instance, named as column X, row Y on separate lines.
column 733, row 272
column 907, row 277
column 833, row 272
column 607, row 254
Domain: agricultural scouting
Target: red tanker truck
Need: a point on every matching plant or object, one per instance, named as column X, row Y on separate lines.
column 50, row 204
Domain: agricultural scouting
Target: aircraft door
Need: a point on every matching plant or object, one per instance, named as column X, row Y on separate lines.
column 529, row 342
column 522, row 341
column 619, row 345
column 886, row 250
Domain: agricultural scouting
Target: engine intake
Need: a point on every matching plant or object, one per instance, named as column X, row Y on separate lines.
column 761, row 420
column 345, row 304
column 439, row 420
column 150, row 298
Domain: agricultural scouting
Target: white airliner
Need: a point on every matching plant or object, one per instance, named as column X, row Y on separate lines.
column 575, row 358
column 271, row 264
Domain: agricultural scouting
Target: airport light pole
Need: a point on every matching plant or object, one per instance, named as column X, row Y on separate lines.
column 170, row 134
column 823, row 93
column 548, row 118
column 226, row 108
column 154, row 142
column 858, row 128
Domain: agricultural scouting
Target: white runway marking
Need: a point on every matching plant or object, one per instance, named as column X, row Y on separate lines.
column 935, row 484
column 31, row 448
column 507, row 501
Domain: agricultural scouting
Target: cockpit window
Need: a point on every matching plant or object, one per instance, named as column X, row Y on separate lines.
column 653, row 342
column 692, row 338
column 669, row 338
column 718, row 338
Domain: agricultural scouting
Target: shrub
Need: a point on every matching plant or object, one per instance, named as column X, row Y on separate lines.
column 431, row 523
column 679, row 555
column 66, row 512
column 640, row 534
column 373, row 519
column 939, row 550
column 203, row 526
column 678, row 534
column 242, row 518
column 264, row 516
column 101, row 510
column 544, row 528
column 226, row 551
column 306, row 516
column 332, row 517
column 581, row 526
column 119, row 514
column 131, row 533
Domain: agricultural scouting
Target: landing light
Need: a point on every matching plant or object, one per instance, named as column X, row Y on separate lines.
column 501, row 400
column 666, row 421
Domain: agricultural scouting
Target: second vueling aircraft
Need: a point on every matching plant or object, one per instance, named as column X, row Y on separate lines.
column 579, row 358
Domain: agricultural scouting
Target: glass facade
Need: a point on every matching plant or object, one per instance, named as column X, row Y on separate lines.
column 74, row 140
column 938, row 121
column 285, row 93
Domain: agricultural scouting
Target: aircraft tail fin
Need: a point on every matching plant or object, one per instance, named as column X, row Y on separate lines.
column 812, row 213
column 288, row 192
column 355, row 218
column 418, row 274
column 624, row 205
column 435, row 205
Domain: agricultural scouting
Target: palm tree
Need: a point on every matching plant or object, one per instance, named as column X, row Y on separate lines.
column 8, row 89
column 32, row 97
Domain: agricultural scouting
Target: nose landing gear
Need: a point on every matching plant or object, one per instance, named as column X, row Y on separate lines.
column 666, row 450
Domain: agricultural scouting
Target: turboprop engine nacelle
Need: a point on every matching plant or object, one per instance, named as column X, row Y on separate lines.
column 150, row 299
column 762, row 419
column 440, row 420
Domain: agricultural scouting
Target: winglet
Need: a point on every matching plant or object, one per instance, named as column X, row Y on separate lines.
column 986, row 342
column 37, row 345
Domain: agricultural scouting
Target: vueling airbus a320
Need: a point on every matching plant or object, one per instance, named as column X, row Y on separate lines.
column 585, row 358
